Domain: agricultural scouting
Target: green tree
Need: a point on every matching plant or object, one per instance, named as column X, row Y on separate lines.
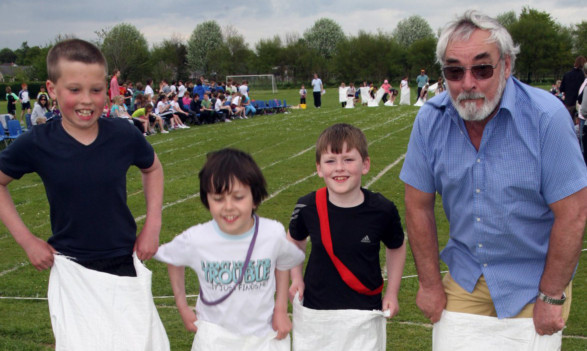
column 126, row 48
column 168, row 60
column 240, row 56
column 370, row 57
column 7, row 56
column 300, row 61
column 422, row 55
column 269, row 55
column 205, row 38
column 412, row 29
column 507, row 19
column 324, row 36
column 542, row 44
column 580, row 39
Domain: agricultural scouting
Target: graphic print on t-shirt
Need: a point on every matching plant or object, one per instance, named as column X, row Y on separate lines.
column 223, row 275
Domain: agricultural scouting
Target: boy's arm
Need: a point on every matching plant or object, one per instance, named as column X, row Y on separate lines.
column 177, row 280
column 281, row 321
column 394, row 261
column 148, row 240
column 39, row 253
column 297, row 276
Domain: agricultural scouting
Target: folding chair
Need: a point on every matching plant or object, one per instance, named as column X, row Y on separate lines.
column 3, row 135
column 14, row 129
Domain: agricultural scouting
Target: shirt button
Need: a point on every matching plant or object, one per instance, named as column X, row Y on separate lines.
column 478, row 219
column 477, row 191
column 480, row 245
column 484, row 264
column 478, row 160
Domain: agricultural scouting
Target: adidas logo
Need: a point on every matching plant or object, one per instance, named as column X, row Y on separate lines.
column 366, row 240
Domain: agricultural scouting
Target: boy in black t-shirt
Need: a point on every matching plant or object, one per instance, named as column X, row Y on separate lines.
column 83, row 160
column 345, row 224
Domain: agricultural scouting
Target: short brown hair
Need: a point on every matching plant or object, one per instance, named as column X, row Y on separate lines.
column 75, row 50
column 225, row 166
column 337, row 135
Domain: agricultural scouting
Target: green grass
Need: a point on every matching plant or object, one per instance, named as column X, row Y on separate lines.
column 282, row 145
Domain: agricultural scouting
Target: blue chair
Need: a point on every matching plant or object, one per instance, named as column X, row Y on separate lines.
column 29, row 122
column 14, row 129
column 3, row 135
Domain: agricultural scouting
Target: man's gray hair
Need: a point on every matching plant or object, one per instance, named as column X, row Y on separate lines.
column 462, row 28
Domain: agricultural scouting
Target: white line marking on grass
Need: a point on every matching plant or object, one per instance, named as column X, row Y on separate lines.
column 27, row 186
column 289, row 158
column 141, row 217
column 385, row 170
column 415, row 324
column 290, row 185
column 19, row 266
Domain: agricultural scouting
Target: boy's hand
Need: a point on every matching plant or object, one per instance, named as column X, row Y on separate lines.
column 188, row 316
column 39, row 252
column 146, row 245
column 281, row 324
column 296, row 286
column 390, row 303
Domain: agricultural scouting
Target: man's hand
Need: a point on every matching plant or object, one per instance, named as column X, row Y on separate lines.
column 390, row 303
column 431, row 301
column 548, row 318
column 39, row 252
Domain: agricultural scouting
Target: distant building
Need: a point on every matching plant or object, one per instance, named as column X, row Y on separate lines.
column 9, row 71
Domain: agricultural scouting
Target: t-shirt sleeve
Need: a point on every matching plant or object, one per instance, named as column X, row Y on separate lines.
column 563, row 171
column 297, row 226
column 144, row 152
column 288, row 255
column 15, row 160
column 416, row 170
column 178, row 251
column 394, row 236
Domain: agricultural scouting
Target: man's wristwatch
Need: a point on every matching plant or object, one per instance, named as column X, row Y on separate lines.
column 552, row 300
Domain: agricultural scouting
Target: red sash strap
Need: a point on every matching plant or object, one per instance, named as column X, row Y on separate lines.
column 347, row 276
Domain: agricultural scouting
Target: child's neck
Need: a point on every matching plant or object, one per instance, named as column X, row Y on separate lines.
column 83, row 136
column 352, row 199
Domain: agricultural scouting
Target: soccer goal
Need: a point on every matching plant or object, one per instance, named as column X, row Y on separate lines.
column 257, row 81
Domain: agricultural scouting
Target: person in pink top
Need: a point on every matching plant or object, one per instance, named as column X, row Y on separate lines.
column 114, row 87
column 387, row 88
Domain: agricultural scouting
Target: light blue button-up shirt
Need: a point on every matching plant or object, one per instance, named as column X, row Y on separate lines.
column 497, row 199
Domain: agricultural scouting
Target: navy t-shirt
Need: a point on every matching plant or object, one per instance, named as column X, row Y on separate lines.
column 85, row 184
column 356, row 235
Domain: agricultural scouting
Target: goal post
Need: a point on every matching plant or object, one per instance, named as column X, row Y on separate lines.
column 257, row 81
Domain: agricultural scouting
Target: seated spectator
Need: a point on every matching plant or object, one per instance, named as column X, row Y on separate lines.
column 223, row 111
column 195, row 109
column 236, row 105
column 146, row 114
column 186, row 100
column 40, row 110
column 207, row 113
column 178, row 112
column 164, row 111
column 248, row 105
column 118, row 110
column 555, row 90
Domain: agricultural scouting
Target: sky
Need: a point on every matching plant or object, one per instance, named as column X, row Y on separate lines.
column 40, row 22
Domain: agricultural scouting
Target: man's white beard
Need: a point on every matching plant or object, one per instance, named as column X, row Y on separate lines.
column 470, row 111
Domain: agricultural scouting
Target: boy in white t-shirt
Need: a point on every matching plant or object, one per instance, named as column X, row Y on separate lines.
column 251, row 307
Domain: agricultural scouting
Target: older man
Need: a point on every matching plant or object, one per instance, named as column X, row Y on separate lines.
column 507, row 164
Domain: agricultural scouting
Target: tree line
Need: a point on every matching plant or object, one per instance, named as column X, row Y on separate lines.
column 548, row 50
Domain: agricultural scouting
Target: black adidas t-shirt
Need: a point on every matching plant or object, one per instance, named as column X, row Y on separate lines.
column 356, row 234
column 85, row 184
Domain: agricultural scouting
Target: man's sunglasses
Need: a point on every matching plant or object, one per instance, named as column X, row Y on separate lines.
column 456, row 73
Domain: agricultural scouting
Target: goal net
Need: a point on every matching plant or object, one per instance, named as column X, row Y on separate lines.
column 257, row 82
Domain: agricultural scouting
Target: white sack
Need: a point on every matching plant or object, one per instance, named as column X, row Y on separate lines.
column 92, row 310
column 463, row 331
column 212, row 337
column 350, row 102
column 388, row 103
column 365, row 96
column 405, row 96
column 419, row 103
column 337, row 330
column 342, row 92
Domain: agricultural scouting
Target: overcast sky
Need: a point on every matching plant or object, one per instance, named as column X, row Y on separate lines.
column 38, row 22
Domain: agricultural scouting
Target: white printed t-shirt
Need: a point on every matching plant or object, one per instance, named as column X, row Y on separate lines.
column 217, row 258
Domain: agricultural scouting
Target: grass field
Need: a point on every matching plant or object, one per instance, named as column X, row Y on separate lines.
column 283, row 146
